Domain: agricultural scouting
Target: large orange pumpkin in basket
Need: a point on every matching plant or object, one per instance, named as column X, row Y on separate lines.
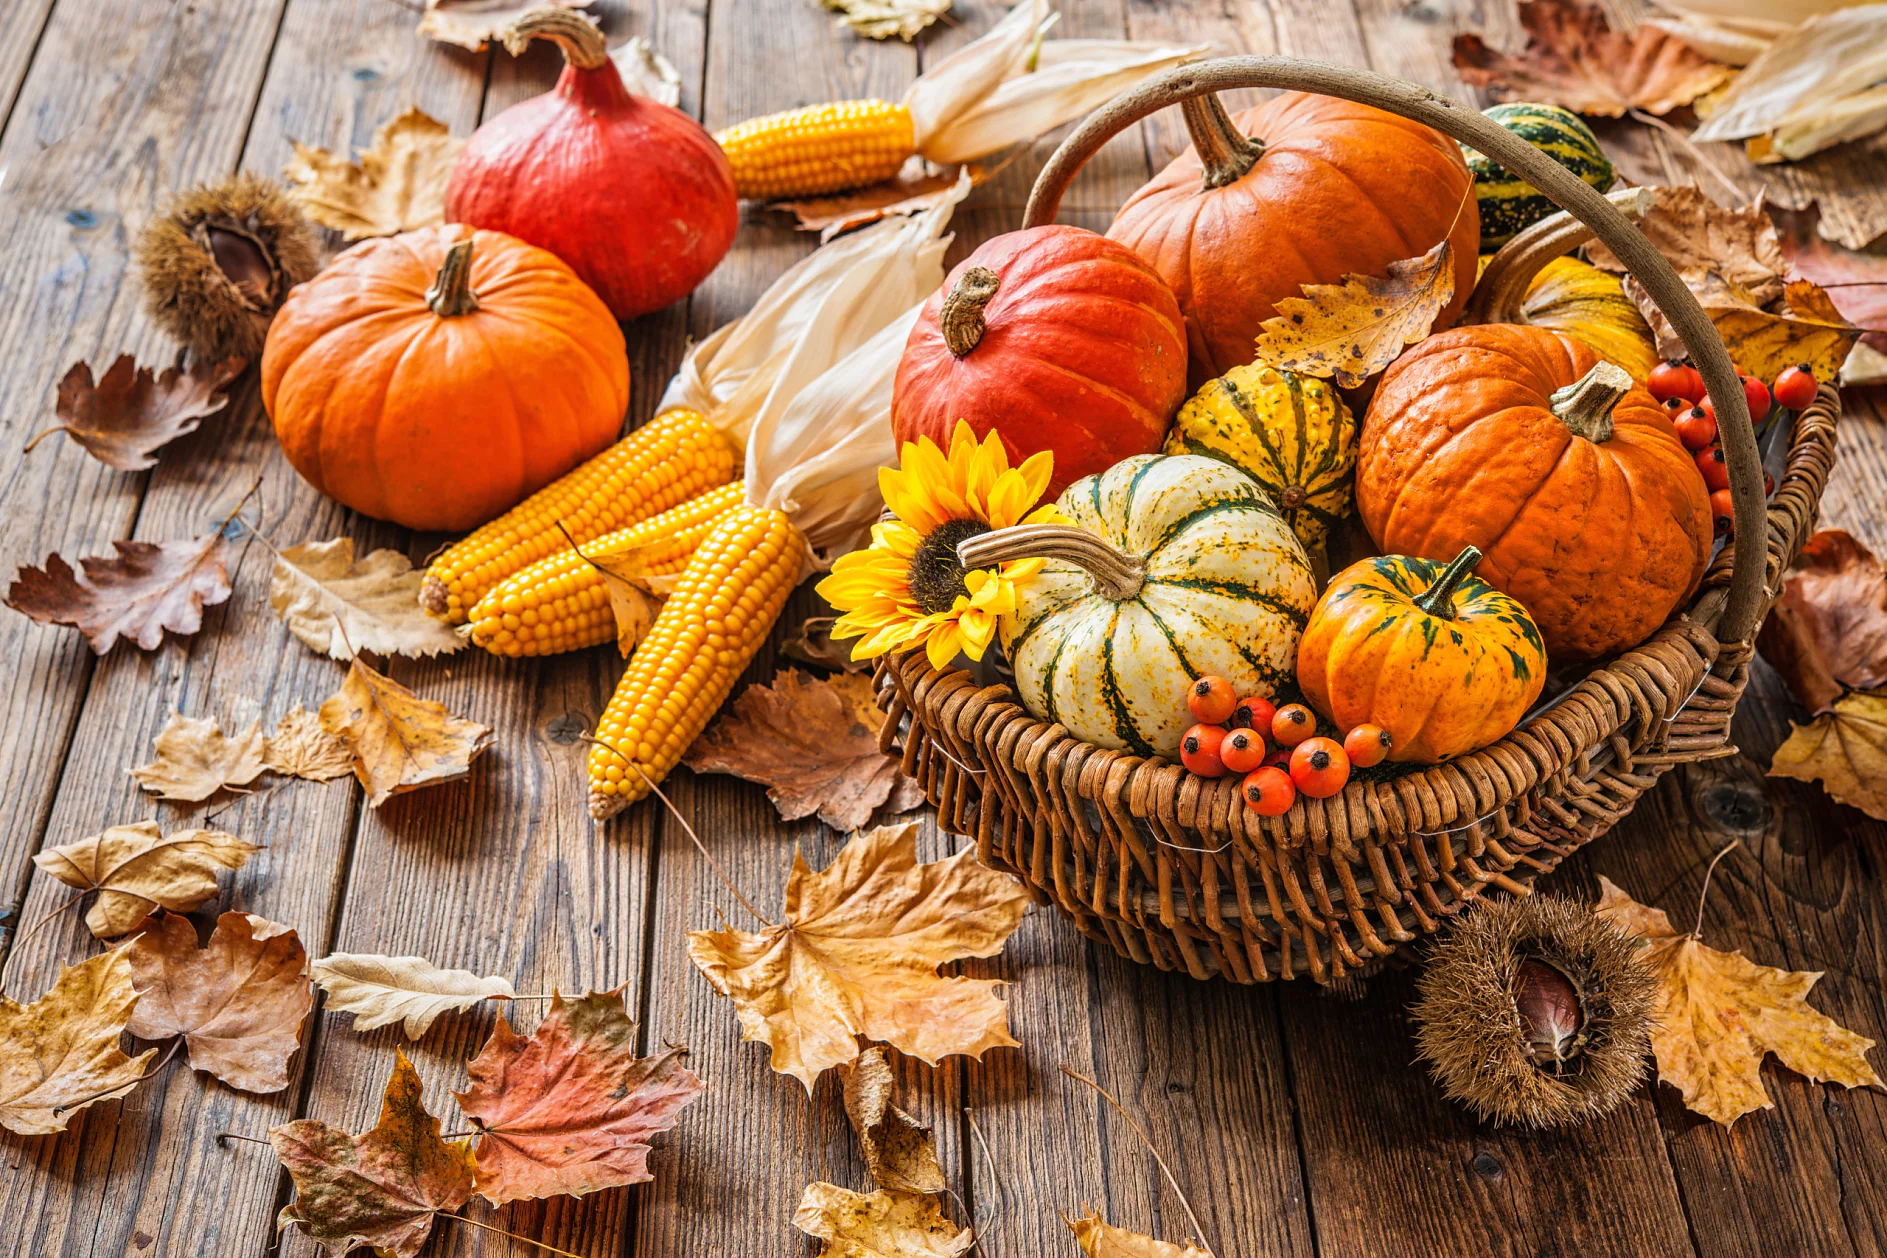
column 1568, row 476
column 436, row 378
column 1301, row 190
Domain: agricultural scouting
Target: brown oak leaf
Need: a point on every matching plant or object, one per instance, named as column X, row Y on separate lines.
column 400, row 741
column 471, row 24
column 195, row 759
column 883, row 1224
column 339, row 605
column 1698, row 237
column 1855, row 280
column 399, row 184
column 572, row 1109
column 124, row 419
column 857, row 955
column 1845, row 749
column 60, row 1053
column 1575, row 59
column 1827, row 633
column 300, row 748
column 1719, row 1013
column 1354, row 329
column 900, row 1152
column 1100, row 1239
column 383, row 1188
column 239, row 1003
column 146, row 589
column 812, row 743
column 136, row 870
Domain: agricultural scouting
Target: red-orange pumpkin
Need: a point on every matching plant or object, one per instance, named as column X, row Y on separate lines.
column 1568, row 476
column 436, row 378
column 1056, row 338
column 1301, row 190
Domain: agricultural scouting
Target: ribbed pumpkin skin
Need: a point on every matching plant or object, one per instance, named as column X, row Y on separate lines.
column 1084, row 354
column 1509, row 204
column 1590, row 305
column 1439, row 687
column 1341, row 187
column 1228, row 590
column 1600, row 542
column 1292, row 434
column 442, row 423
column 635, row 196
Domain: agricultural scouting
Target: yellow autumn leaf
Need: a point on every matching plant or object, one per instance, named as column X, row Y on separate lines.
column 883, row 1224
column 400, row 741
column 300, row 748
column 338, row 604
column 195, row 759
column 1720, row 1012
column 398, row 185
column 858, row 954
column 137, row 869
column 1845, row 749
column 900, row 1152
column 1099, row 1239
column 60, row 1053
column 1354, row 329
column 1803, row 328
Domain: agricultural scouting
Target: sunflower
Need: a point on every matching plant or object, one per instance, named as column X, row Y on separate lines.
column 907, row 589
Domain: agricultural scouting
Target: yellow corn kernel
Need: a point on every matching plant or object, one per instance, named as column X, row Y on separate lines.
column 668, row 460
column 562, row 601
column 818, row 149
column 723, row 608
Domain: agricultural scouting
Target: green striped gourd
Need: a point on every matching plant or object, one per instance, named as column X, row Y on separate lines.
column 1510, row 204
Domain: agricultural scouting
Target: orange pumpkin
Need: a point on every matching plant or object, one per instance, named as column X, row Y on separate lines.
column 1567, row 475
column 438, row 377
column 1301, row 190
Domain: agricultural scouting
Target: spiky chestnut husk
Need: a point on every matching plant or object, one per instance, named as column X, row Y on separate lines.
column 1535, row 1012
column 219, row 259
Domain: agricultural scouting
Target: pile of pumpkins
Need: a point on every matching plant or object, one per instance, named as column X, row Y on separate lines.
column 1527, row 441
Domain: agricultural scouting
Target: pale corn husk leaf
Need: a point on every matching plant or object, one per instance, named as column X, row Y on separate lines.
column 919, row 186
column 646, row 72
column 1798, row 85
column 1716, row 40
column 972, row 72
column 1813, row 130
column 883, row 19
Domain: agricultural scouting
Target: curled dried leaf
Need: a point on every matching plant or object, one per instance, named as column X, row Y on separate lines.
column 900, row 1152
column 646, row 72
column 1803, row 328
column 1699, row 237
column 883, row 19
column 1354, row 329
column 60, row 1053
column 472, row 24
column 398, row 185
column 412, row 991
column 124, row 419
column 137, row 869
column 400, row 741
column 300, row 748
column 195, row 759
column 882, row 1224
column 1827, row 633
column 1100, row 1239
column 1845, row 749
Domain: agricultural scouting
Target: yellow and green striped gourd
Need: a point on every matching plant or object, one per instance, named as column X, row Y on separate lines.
column 1509, row 204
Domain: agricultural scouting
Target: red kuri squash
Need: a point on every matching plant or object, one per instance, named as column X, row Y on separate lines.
column 1056, row 338
column 1301, row 190
column 1569, row 477
column 634, row 195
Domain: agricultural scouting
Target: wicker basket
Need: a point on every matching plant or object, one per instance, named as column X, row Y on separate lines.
column 1172, row 869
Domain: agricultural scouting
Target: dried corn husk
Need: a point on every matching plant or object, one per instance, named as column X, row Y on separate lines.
column 1814, row 87
column 647, row 72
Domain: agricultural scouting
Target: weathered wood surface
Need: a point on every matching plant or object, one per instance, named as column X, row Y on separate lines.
column 1292, row 1119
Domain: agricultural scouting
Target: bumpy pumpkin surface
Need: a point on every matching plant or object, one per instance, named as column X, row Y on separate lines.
column 1290, row 433
column 442, row 420
column 1590, row 305
column 1510, row 204
column 1438, row 658
column 1220, row 586
column 1338, row 187
column 1600, row 533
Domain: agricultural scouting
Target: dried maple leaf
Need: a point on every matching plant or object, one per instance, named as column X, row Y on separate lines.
column 472, row 24
column 399, row 185
column 1354, row 329
column 1099, row 1239
column 136, row 870
column 858, row 952
column 381, row 990
column 881, row 19
column 125, row 418
column 239, row 1003
column 300, row 748
column 1856, row 281
column 146, row 589
column 1827, row 633
column 1575, row 59
column 382, row 1188
column 1698, row 237
column 572, row 1109
column 900, row 1152
column 1806, row 328
column 882, row 1224
column 338, row 605
column 400, row 741
column 195, row 759
column 1845, row 749
column 60, row 1053
column 810, row 743
column 1719, row 1013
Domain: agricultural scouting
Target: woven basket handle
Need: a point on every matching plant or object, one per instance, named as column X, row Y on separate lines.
column 1560, row 185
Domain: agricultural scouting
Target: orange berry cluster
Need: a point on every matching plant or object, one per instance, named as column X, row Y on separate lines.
column 1680, row 387
column 1277, row 749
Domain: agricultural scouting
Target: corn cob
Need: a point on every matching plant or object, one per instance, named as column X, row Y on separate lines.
column 561, row 602
column 667, row 461
column 722, row 609
column 818, row 149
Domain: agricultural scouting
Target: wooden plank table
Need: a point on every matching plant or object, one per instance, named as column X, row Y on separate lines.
column 1292, row 1117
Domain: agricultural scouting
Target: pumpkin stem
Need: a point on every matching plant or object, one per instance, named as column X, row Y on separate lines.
column 1438, row 600
column 451, row 293
column 579, row 38
column 962, row 313
column 1585, row 407
column 1225, row 151
column 1117, row 575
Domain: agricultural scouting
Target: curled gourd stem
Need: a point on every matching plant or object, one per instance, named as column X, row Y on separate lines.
column 1498, row 295
column 1438, row 600
column 580, row 39
column 1585, row 406
column 451, row 293
column 961, row 318
column 1117, row 575
column 1224, row 151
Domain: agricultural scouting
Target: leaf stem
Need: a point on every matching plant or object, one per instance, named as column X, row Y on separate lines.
column 230, row 1135
column 1690, row 147
column 163, row 1061
column 13, row 949
column 1165, row 1170
column 486, row 1227
column 1697, row 931
column 1002, row 1195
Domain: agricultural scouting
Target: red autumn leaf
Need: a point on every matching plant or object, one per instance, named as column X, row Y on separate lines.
column 123, row 419
column 1856, row 282
column 1827, row 634
column 571, row 1109
column 146, row 589
column 382, row 1188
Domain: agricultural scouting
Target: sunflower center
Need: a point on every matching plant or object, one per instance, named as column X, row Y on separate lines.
column 936, row 573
